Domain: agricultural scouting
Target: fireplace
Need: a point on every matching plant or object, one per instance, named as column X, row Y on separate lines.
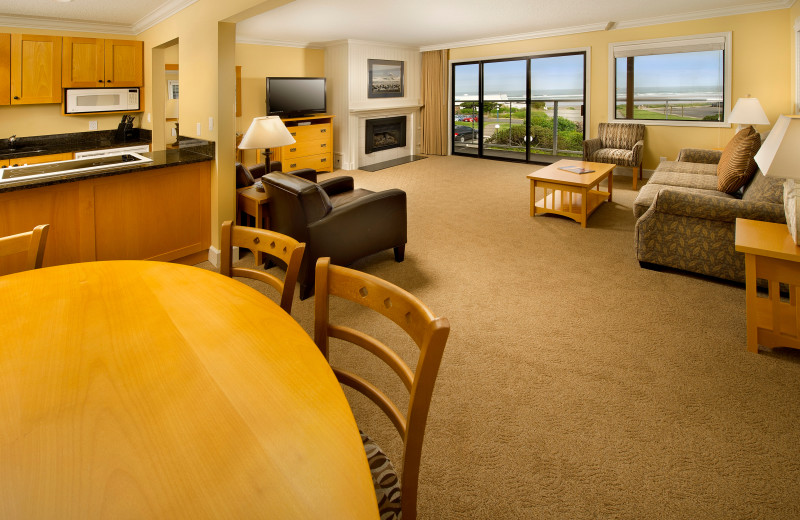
column 385, row 133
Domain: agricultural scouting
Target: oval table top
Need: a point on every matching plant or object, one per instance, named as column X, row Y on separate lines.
column 136, row 389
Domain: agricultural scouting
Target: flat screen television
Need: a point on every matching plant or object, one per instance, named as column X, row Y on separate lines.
column 295, row 97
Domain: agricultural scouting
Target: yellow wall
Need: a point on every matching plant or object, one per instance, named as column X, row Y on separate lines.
column 794, row 16
column 260, row 61
column 760, row 68
column 28, row 120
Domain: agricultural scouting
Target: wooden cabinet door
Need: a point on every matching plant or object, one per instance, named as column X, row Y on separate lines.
column 39, row 159
column 35, row 69
column 5, row 69
column 124, row 63
column 83, row 65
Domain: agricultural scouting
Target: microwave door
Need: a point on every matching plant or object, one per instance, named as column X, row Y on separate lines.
column 97, row 102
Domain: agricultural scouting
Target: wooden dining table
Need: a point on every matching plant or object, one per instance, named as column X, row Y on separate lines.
column 150, row 390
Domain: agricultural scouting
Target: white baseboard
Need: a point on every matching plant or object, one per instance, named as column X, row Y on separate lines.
column 214, row 255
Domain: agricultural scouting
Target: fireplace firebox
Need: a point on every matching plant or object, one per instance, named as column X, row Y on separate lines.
column 385, row 133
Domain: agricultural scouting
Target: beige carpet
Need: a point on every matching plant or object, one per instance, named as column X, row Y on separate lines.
column 575, row 384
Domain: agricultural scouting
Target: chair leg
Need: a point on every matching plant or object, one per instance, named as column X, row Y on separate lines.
column 637, row 174
column 399, row 253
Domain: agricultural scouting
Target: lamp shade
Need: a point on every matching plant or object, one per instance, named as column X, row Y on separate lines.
column 779, row 156
column 748, row 111
column 266, row 132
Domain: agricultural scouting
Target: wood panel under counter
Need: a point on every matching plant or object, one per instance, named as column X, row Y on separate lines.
column 155, row 214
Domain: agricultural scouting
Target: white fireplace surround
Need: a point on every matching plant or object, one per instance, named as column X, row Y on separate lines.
column 358, row 119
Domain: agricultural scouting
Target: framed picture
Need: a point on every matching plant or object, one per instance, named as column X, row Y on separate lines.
column 385, row 78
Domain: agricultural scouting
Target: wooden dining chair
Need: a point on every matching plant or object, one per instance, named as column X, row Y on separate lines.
column 430, row 335
column 32, row 242
column 286, row 249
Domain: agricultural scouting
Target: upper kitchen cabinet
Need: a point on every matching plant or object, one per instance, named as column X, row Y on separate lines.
column 35, row 69
column 96, row 62
column 5, row 69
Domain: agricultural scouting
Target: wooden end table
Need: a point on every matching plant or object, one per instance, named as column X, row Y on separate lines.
column 250, row 201
column 770, row 254
column 573, row 195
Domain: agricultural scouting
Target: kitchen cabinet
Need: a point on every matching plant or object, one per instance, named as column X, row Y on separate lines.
column 35, row 69
column 98, row 62
column 5, row 69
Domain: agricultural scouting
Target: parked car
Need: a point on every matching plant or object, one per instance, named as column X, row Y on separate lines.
column 470, row 119
column 464, row 133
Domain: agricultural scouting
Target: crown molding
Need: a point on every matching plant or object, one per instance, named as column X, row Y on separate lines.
column 40, row 22
column 60, row 24
column 685, row 17
column 160, row 14
column 278, row 43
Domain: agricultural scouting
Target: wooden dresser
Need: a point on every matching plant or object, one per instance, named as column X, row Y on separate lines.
column 314, row 146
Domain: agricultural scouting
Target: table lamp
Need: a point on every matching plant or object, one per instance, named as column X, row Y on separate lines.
column 747, row 111
column 779, row 156
column 266, row 132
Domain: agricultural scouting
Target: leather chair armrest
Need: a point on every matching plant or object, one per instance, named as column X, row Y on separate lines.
column 308, row 174
column 259, row 170
column 367, row 225
column 337, row 185
column 590, row 146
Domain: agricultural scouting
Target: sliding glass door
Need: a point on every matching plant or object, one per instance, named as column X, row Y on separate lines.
column 524, row 109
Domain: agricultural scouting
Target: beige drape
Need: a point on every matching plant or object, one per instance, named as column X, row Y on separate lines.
column 434, row 101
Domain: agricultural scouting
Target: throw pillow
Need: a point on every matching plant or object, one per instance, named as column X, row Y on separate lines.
column 736, row 165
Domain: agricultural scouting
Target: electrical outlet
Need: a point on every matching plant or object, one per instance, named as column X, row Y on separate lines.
column 199, row 130
column 92, row 125
column 210, row 124
column 174, row 133
column 148, row 117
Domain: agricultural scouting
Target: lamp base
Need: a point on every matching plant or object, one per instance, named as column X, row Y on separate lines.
column 790, row 193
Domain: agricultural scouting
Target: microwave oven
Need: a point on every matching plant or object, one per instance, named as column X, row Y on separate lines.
column 91, row 100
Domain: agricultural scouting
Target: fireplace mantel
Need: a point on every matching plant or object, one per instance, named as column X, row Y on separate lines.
column 383, row 108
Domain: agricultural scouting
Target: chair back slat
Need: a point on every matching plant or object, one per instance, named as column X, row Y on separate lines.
column 386, row 354
column 376, row 396
column 428, row 332
column 31, row 242
column 286, row 249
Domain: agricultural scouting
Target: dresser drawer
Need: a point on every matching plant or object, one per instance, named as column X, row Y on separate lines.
column 303, row 148
column 322, row 163
column 310, row 132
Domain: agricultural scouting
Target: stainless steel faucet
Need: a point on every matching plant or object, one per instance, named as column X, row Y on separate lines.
column 12, row 141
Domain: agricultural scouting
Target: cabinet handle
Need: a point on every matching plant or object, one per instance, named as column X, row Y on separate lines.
column 323, row 160
column 99, row 80
column 292, row 149
column 293, row 134
column 108, row 81
column 293, row 165
column 323, row 145
column 16, row 97
column 323, row 130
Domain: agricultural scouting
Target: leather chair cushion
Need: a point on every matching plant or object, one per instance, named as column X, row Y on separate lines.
column 312, row 197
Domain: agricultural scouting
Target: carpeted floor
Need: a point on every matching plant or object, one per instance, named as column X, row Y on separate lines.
column 575, row 384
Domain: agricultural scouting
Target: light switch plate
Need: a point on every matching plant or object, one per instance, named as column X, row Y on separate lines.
column 92, row 125
column 210, row 124
column 199, row 129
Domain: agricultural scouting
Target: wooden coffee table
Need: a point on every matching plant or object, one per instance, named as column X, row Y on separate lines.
column 574, row 195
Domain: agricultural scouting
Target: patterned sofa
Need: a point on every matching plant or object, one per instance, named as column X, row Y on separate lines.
column 617, row 143
column 684, row 222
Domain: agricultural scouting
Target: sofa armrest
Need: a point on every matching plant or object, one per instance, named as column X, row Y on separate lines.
column 590, row 146
column 710, row 207
column 698, row 155
column 337, row 185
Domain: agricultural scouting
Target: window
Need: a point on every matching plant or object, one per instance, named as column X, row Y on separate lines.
column 677, row 81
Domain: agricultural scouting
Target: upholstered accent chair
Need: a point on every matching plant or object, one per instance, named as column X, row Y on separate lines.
column 336, row 220
column 617, row 143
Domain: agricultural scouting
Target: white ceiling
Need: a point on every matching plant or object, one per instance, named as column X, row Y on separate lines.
column 418, row 23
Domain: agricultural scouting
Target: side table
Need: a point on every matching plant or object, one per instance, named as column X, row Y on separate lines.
column 250, row 201
column 770, row 254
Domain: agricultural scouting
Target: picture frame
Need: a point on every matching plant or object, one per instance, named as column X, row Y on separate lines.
column 386, row 78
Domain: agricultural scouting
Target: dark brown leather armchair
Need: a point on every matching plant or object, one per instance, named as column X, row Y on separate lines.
column 247, row 176
column 335, row 220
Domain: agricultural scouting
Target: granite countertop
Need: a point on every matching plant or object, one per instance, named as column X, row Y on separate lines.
column 70, row 143
column 160, row 159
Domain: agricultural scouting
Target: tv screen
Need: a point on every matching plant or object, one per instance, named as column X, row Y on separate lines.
column 295, row 96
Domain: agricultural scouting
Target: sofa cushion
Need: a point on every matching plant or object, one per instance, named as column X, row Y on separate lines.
column 686, row 180
column 688, row 167
column 613, row 155
column 764, row 189
column 649, row 191
column 736, row 165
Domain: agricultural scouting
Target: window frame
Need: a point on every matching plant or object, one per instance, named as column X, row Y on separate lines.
column 667, row 44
